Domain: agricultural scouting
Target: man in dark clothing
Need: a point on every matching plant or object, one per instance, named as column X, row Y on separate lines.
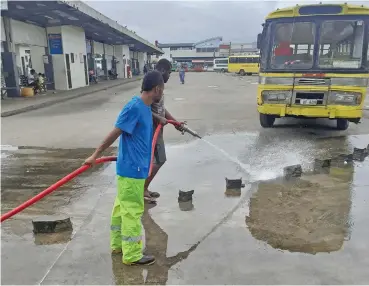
column 160, row 115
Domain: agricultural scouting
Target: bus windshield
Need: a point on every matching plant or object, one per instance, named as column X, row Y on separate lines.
column 293, row 45
column 340, row 45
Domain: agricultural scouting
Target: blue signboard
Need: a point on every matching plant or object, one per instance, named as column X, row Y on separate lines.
column 55, row 44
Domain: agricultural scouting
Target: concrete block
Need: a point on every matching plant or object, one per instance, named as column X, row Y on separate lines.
column 234, row 184
column 292, row 171
column 185, row 196
column 360, row 154
column 52, row 224
column 322, row 165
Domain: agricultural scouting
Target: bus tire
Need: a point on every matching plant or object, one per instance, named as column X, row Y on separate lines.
column 222, row 70
column 242, row 72
column 342, row 124
column 266, row 120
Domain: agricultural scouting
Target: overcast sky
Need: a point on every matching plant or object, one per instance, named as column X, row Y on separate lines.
column 192, row 21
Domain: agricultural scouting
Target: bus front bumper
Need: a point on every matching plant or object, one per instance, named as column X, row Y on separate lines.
column 332, row 111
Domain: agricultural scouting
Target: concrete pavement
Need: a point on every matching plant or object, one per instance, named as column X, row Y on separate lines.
column 311, row 232
column 13, row 106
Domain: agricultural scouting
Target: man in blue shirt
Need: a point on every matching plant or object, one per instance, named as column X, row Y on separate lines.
column 134, row 126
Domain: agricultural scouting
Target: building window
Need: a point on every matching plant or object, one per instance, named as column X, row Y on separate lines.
column 173, row 49
column 72, row 58
column 206, row 50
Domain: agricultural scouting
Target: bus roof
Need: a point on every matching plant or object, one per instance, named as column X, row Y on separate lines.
column 245, row 56
column 318, row 10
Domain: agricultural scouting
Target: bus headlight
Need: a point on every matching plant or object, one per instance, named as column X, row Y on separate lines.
column 345, row 98
column 276, row 96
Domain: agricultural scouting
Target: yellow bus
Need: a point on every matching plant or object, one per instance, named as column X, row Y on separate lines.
column 242, row 65
column 314, row 63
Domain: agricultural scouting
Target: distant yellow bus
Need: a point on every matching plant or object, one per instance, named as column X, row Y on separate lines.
column 244, row 64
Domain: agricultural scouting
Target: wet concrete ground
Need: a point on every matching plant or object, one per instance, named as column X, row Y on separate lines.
column 309, row 231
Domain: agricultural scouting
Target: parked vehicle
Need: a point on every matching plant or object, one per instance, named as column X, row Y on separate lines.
column 314, row 66
column 220, row 65
column 243, row 65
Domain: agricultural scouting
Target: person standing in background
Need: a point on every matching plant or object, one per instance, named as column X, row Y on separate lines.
column 181, row 73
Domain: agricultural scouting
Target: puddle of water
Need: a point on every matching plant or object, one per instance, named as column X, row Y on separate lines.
column 28, row 171
column 8, row 148
column 308, row 215
column 53, row 238
column 258, row 157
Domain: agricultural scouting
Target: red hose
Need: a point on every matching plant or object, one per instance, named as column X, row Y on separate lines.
column 155, row 138
column 77, row 172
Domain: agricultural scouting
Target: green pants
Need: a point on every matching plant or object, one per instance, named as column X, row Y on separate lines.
column 126, row 227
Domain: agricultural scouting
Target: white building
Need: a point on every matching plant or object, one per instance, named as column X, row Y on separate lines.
column 202, row 51
column 205, row 51
column 64, row 40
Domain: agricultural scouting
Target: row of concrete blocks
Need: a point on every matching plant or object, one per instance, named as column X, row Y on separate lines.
column 320, row 165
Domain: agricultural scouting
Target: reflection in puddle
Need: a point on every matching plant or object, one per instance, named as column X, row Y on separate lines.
column 233, row 192
column 307, row 215
column 53, row 238
column 156, row 244
column 186, row 206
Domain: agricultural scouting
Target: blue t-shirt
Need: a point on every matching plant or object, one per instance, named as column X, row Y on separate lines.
column 134, row 153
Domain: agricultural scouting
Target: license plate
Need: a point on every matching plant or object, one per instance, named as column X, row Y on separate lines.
column 308, row 101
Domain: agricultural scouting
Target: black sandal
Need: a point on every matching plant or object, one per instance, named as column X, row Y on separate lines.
column 150, row 200
column 154, row 194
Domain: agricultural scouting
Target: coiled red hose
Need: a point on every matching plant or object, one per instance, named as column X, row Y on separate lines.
column 77, row 172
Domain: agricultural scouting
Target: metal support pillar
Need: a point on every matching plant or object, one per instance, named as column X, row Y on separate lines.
column 10, row 69
column 104, row 64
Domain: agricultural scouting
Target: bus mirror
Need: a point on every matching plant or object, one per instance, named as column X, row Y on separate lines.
column 258, row 42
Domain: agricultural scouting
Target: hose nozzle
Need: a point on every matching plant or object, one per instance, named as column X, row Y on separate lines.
column 189, row 131
column 184, row 128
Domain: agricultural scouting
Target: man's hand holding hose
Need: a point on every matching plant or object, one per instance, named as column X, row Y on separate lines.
column 164, row 121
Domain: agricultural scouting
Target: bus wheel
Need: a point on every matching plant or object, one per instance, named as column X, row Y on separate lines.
column 266, row 120
column 342, row 124
column 242, row 72
column 222, row 70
